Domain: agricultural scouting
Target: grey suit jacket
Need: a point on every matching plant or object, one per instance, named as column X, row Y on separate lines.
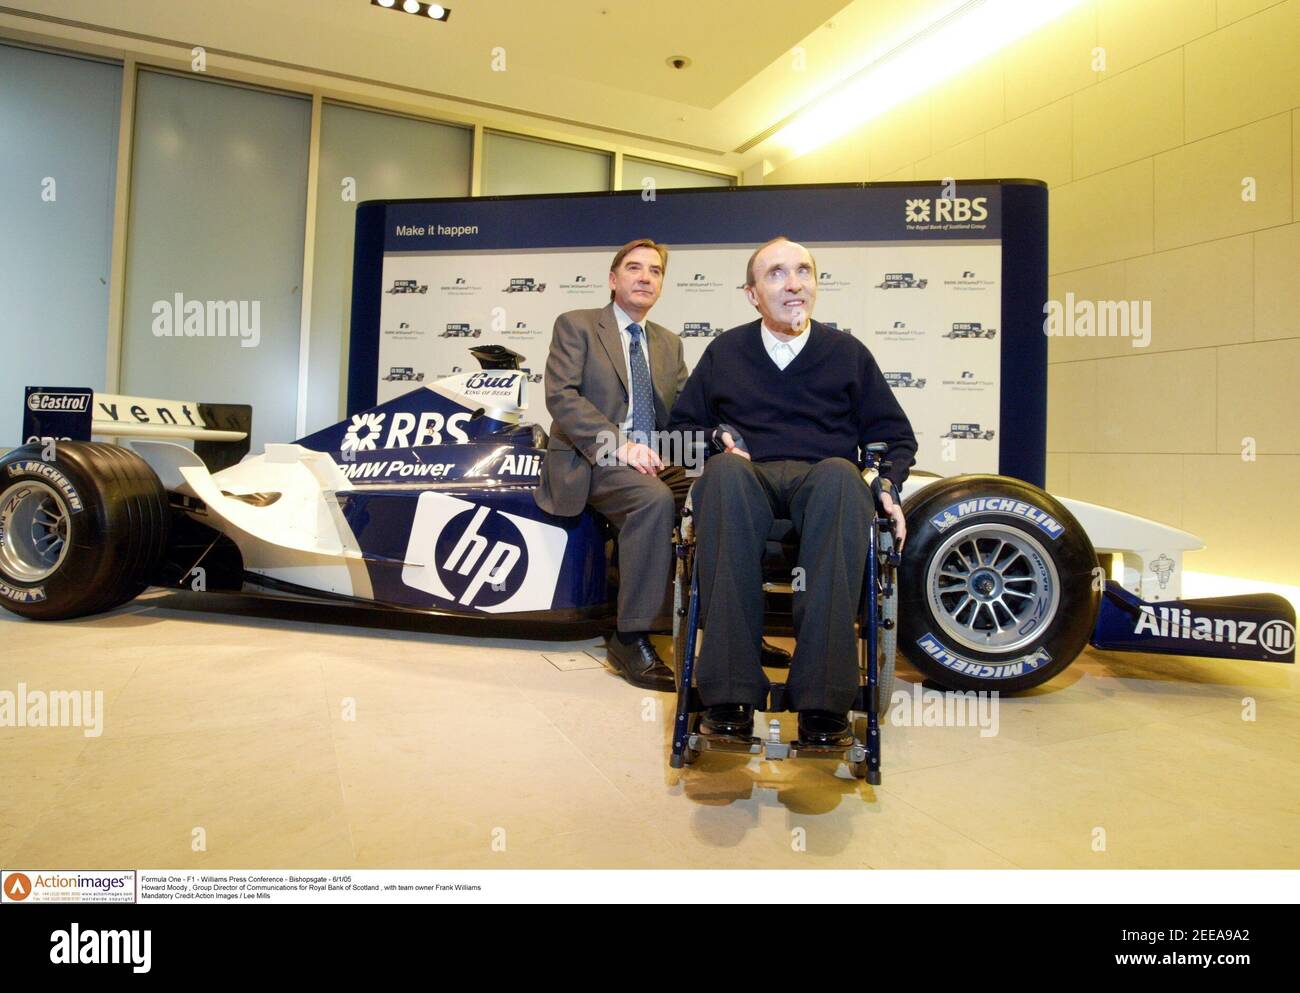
column 587, row 396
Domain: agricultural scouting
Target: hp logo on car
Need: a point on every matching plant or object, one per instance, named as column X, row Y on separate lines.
column 476, row 564
column 480, row 557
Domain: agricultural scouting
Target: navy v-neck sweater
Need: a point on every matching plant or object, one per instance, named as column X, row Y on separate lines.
column 827, row 403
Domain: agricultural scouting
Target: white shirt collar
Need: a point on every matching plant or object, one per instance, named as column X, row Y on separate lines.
column 774, row 344
column 620, row 316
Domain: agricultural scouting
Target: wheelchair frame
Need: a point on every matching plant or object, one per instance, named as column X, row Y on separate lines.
column 877, row 636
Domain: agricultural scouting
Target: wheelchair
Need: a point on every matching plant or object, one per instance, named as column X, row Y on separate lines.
column 877, row 624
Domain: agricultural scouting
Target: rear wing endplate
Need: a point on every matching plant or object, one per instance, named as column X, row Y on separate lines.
column 220, row 431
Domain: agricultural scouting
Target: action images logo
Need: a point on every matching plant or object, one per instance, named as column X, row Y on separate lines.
column 70, row 886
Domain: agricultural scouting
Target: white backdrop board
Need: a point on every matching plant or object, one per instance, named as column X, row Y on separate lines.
column 937, row 295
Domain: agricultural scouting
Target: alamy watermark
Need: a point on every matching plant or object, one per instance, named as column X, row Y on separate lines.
column 181, row 318
column 919, row 707
column 1073, row 318
column 687, row 449
column 27, row 708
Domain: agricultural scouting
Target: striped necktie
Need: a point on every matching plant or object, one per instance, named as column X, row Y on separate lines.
column 643, row 403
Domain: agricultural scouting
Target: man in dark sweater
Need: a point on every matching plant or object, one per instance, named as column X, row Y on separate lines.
column 789, row 403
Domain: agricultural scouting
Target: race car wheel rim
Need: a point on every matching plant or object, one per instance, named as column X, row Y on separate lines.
column 34, row 527
column 993, row 588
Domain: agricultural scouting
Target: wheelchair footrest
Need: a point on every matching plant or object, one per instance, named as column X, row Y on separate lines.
column 773, row 750
column 855, row 752
column 725, row 743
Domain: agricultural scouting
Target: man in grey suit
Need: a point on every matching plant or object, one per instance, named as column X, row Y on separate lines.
column 606, row 398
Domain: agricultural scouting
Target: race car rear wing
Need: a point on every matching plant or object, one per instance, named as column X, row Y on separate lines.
column 220, row 431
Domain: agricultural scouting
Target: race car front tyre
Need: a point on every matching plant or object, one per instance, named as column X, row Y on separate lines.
column 998, row 584
column 81, row 532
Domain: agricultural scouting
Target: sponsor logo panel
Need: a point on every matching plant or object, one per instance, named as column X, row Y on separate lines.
column 946, row 213
column 40, row 401
column 969, row 282
column 460, row 286
column 474, row 556
column 406, row 430
column 1277, row 637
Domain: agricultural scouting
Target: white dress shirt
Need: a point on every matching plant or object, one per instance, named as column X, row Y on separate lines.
column 626, row 340
column 783, row 352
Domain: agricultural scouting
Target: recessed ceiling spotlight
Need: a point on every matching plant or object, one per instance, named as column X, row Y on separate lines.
column 436, row 11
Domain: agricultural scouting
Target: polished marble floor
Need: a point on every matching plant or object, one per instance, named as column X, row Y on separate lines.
column 237, row 741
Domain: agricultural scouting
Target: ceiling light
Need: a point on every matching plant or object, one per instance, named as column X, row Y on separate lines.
column 970, row 32
column 436, row 11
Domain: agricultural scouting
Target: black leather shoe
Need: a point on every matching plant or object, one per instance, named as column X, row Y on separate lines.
column 774, row 656
column 824, row 728
column 639, row 664
column 736, row 719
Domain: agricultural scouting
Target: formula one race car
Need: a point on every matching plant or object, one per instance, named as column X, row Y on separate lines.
column 461, row 331
column 967, row 431
column 525, row 284
column 969, row 330
column 408, row 286
column 403, row 374
column 699, row 329
column 903, row 281
column 904, row 380
column 423, row 504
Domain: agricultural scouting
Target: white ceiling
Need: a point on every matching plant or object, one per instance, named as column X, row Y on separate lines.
column 598, row 63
